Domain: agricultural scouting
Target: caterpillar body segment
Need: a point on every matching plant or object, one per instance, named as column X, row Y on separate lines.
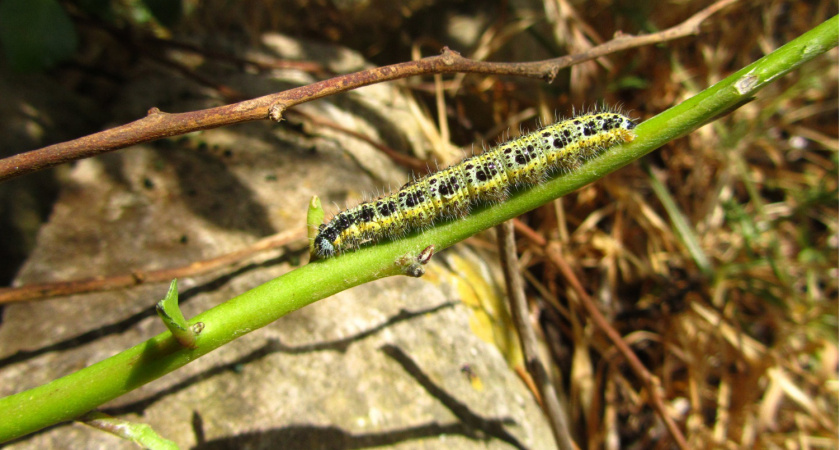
column 484, row 178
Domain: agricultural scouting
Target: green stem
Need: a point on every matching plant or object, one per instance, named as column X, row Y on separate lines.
column 314, row 218
column 71, row 396
column 681, row 223
column 139, row 433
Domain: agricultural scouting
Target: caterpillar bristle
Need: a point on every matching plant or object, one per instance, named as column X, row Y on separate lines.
column 485, row 177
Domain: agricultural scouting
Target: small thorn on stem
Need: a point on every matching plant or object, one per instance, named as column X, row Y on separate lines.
column 426, row 255
column 412, row 265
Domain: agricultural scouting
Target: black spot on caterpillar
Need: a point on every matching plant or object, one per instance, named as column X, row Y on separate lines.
column 487, row 177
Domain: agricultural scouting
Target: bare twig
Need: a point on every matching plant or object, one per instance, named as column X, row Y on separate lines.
column 529, row 233
column 141, row 42
column 44, row 291
column 417, row 165
column 157, row 124
column 650, row 381
column 528, row 339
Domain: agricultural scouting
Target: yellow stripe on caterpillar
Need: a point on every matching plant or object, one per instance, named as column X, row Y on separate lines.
column 487, row 177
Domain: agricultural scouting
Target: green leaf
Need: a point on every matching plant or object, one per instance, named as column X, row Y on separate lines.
column 173, row 318
column 36, row 34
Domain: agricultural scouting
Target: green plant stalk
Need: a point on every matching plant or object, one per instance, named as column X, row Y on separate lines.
column 139, row 433
column 314, row 218
column 680, row 223
column 69, row 397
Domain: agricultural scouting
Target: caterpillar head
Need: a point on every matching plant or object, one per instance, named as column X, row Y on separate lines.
column 324, row 242
column 324, row 248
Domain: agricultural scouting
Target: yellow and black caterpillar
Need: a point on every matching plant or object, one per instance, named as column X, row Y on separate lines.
column 486, row 177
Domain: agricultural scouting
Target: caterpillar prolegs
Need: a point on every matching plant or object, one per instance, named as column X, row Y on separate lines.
column 484, row 178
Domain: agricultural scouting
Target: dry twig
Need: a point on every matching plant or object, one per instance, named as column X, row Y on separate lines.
column 650, row 381
column 527, row 337
column 158, row 124
column 43, row 291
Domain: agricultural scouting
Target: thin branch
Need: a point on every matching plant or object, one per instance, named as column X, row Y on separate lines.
column 417, row 165
column 43, row 291
column 142, row 42
column 158, row 124
column 532, row 235
column 528, row 339
column 651, row 383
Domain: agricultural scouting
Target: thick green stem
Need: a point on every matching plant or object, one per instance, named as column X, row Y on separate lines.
column 71, row 396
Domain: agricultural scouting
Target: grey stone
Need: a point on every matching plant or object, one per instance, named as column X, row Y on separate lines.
column 382, row 364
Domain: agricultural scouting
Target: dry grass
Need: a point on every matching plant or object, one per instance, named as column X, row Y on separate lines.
column 743, row 334
column 746, row 349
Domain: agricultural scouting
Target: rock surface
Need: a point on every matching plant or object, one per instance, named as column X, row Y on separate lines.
column 391, row 363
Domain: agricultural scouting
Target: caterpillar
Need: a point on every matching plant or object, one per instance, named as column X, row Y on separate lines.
column 487, row 177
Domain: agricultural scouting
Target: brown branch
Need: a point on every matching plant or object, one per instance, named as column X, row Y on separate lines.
column 44, row 291
column 157, row 124
column 417, row 165
column 150, row 45
column 552, row 252
column 528, row 339
column 651, row 383
column 529, row 233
